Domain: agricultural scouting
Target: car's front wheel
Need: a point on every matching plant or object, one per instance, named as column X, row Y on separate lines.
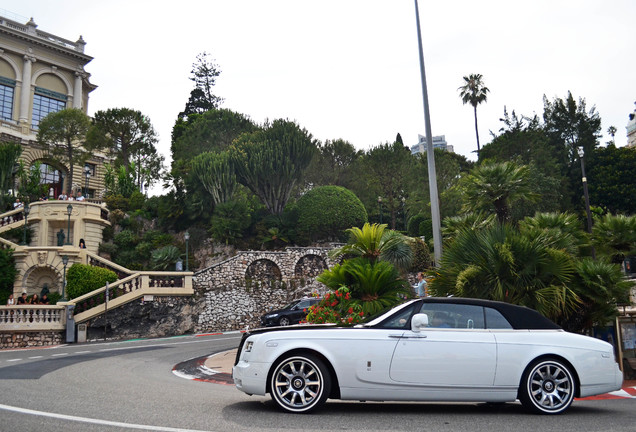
column 300, row 383
column 284, row 321
column 547, row 387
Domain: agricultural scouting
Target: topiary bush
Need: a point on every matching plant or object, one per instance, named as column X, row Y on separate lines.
column 325, row 212
column 413, row 226
column 82, row 279
column 421, row 255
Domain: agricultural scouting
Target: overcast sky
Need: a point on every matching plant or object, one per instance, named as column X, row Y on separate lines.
column 349, row 68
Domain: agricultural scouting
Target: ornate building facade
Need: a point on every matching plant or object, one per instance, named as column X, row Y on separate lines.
column 42, row 73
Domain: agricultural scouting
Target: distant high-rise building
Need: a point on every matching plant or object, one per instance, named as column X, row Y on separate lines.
column 439, row 142
column 631, row 130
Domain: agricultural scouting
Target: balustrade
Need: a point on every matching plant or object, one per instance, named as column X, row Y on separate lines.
column 30, row 317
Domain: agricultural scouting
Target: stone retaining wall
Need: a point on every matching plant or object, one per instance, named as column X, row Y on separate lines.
column 241, row 289
column 30, row 339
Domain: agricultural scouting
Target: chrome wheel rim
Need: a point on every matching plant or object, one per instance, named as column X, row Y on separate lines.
column 551, row 387
column 284, row 321
column 297, row 384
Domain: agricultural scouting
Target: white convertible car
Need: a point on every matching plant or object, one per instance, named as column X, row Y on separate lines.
column 433, row 349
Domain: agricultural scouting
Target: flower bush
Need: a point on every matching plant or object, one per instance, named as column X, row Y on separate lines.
column 336, row 307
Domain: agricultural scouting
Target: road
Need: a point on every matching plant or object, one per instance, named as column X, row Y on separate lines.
column 125, row 386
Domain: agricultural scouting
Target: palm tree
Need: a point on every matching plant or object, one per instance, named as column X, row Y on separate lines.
column 615, row 236
column 496, row 186
column 374, row 243
column 474, row 92
column 501, row 263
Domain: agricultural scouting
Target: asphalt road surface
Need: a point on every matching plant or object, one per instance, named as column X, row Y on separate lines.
column 126, row 386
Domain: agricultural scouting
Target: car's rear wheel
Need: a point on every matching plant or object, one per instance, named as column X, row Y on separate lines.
column 300, row 383
column 547, row 387
column 283, row 321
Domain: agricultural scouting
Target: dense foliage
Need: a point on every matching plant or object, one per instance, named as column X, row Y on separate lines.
column 325, row 212
column 82, row 279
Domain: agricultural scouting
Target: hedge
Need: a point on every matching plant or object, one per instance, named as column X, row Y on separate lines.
column 82, row 279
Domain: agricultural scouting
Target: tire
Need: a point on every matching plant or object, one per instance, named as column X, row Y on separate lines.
column 283, row 321
column 547, row 387
column 300, row 384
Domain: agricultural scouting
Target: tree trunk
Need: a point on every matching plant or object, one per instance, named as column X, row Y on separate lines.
column 476, row 132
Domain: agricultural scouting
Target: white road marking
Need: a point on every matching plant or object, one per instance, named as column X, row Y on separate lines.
column 35, row 357
column 59, row 354
column 14, row 360
column 94, row 421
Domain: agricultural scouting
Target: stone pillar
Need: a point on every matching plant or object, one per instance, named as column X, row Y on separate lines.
column 25, row 95
column 77, row 90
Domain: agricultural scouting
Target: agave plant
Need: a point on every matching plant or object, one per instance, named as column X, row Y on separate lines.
column 165, row 257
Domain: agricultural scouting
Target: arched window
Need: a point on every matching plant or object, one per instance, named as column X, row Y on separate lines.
column 45, row 102
column 53, row 178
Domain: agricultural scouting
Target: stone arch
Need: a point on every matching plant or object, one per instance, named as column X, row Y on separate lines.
column 263, row 269
column 32, row 155
column 35, row 278
column 309, row 266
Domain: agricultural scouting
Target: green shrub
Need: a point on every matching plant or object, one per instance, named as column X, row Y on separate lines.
column 413, row 225
column 126, row 239
column 82, row 279
column 108, row 248
column 117, row 202
column 325, row 212
column 136, row 200
column 421, row 255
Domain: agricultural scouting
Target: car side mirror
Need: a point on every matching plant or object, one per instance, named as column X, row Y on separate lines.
column 419, row 322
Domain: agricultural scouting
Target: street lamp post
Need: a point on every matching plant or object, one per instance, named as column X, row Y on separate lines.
column 581, row 152
column 65, row 262
column 187, row 237
column 380, row 205
column 69, row 210
column 26, row 215
column 87, row 173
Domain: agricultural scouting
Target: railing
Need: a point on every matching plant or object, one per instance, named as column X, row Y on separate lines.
column 131, row 288
column 11, row 217
column 32, row 317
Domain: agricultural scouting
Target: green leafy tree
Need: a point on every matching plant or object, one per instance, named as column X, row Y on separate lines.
column 474, row 92
column 123, row 132
column 387, row 171
column 270, row 162
column 204, row 73
column 374, row 242
column 63, row 133
column 325, row 212
column 9, row 156
column 333, row 164
column 495, row 187
column 216, row 173
column 612, row 179
column 30, row 188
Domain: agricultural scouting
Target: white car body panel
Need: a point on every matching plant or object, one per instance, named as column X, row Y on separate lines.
column 477, row 365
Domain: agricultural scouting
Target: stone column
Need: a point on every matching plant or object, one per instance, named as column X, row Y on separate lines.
column 25, row 95
column 77, row 90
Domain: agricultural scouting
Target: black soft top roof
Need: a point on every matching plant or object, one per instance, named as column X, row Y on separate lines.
column 520, row 317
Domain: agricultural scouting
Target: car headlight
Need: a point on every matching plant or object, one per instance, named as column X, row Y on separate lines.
column 271, row 316
column 248, row 346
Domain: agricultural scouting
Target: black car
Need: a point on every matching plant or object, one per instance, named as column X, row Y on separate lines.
column 293, row 313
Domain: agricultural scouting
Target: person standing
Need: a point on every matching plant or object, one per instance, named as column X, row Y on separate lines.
column 422, row 286
column 10, row 300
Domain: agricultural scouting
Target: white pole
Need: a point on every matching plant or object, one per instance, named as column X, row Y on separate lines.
column 430, row 156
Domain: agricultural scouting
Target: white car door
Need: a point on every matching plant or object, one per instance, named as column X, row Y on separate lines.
column 458, row 352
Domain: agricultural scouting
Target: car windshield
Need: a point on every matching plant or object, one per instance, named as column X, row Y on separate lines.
column 384, row 314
